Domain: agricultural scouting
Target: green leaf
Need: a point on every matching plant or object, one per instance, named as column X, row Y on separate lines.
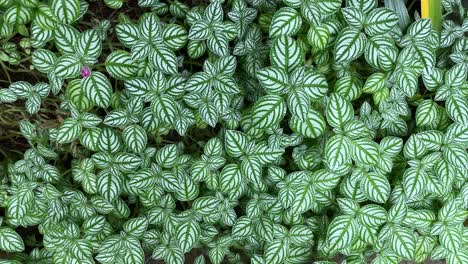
column 236, row 143
column 341, row 233
column 164, row 59
column 365, row 151
column 97, row 89
column 286, row 21
column 350, row 44
column 10, row 241
column 375, row 186
column 67, row 11
column 403, row 242
column 268, row 111
column 457, row 109
column 380, row 21
column 135, row 138
column 274, row 80
column 187, row 234
column 68, row 66
column 311, row 127
column 286, row 53
column 89, row 44
column 426, row 113
column 276, row 251
column 414, row 181
column 119, row 65
column 68, row 131
column 338, row 111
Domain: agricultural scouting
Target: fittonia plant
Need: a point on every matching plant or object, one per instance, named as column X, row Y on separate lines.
column 261, row 131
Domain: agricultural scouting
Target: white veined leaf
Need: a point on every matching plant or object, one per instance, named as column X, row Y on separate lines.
column 45, row 19
column 426, row 113
column 286, row 53
column 268, row 111
column 354, row 17
column 455, row 76
column 127, row 34
column 337, row 152
column 187, row 235
column 209, row 114
column 68, row 131
column 150, row 27
column 97, row 89
column 126, row 162
column 206, row 205
column 403, row 242
column 372, row 215
column 164, row 59
column 365, row 5
column 456, row 155
column 136, row 226
column 218, row 43
column 114, row 4
column 414, row 182
column 457, row 109
column 43, row 60
column 7, row 96
column 135, row 138
column 67, row 11
column 329, row 7
column 214, row 12
column 174, row 36
column 374, row 83
column 349, row 87
column 318, row 37
column 188, row 189
column 242, row 228
column 375, row 186
column 109, row 140
column 94, row 224
column 381, row 52
column 276, row 251
column 341, row 233
column 303, row 199
column 236, row 143
column 200, row 30
column 21, row 89
column 420, row 29
column 365, row 151
column 68, row 66
column 119, row 65
column 164, row 108
column 90, row 137
column 273, row 79
column 286, row 21
column 166, row 157
column 109, row 185
column 10, row 241
column 230, row 179
column 350, row 44
column 391, row 146
column 66, row 37
column 311, row 127
column 133, row 251
column 89, row 43
column 451, row 238
column 338, row 111
column 380, row 21
column 196, row 48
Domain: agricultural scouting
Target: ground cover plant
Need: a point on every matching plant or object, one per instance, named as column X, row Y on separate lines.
column 237, row 131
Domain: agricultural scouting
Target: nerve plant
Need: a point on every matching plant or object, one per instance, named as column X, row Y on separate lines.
column 238, row 131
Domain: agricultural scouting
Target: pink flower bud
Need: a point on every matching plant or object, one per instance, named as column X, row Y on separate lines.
column 85, row 72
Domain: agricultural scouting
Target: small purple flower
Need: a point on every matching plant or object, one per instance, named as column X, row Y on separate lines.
column 85, row 72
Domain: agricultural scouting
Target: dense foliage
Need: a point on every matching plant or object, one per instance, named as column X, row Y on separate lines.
column 262, row 131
